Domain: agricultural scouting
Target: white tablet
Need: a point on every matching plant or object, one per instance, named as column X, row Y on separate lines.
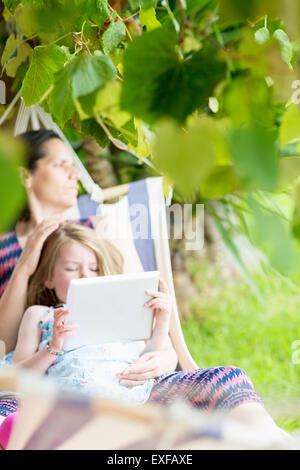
column 110, row 308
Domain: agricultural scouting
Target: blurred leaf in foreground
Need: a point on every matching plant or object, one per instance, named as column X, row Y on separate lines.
column 12, row 193
column 272, row 235
column 256, row 156
column 249, row 99
column 187, row 156
column 290, row 125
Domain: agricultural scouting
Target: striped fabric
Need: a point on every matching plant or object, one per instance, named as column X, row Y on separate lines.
column 10, row 252
column 8, row 405
column 213, row 388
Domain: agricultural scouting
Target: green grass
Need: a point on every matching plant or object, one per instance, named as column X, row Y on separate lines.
column 228, row 326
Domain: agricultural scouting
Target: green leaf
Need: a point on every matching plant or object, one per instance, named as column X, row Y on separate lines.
column 262, row 35
column 113, row 36
column 90, row 128
column 255, row 154
column 12, row 65
column 290, row 125
column 100, row 11
column 143, row 145
column 187, row 157
column 144, row 4
column 86, row 105
column 10, row 46
column 289, row 173
column 88, row 73
column 108, row 104
column 46, row 61
column 296, row 214
column 52, row 19
column 158, row 82
column 11, row 5
column 272, row 235
column 285, row 46
column 148, row 19
column 12, row 194
column 222, row 181
column 60, row 101
column 249, row 99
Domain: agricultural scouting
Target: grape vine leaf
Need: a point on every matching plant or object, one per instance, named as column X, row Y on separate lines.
column 46, row 61
column 113, row 36
column 158, row 82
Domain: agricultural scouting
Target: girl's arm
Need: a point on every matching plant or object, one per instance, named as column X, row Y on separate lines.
column 161, row 304
column 159, row 356
column 26, row 353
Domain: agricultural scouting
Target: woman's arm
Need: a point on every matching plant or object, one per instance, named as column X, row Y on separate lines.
column 13, row 301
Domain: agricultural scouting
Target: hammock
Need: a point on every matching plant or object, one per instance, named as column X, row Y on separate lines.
column 52, row 420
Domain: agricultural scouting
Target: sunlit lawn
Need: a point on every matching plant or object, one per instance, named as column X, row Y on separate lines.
column 228, row 326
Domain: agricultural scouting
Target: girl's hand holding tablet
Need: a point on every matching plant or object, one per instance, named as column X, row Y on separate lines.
column 160, row 303
column 148, row 366
column 60, row 330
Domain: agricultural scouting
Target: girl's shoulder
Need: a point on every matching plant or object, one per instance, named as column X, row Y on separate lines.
column 37, row 313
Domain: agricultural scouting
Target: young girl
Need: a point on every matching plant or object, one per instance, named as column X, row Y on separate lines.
column 71, row 252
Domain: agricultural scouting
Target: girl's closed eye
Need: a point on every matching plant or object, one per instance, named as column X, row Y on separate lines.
column 72, row 267
column 94, row 268
column 59, row 164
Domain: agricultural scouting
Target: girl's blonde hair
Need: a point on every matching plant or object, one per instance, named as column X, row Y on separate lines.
column 110, row 260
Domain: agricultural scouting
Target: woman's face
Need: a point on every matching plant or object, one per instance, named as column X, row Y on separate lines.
column 54, row 181
column 75, row 261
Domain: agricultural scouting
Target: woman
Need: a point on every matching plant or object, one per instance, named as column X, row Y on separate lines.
column 51, row 180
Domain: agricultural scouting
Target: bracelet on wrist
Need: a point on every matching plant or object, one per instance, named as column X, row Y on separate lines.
column 52, row 351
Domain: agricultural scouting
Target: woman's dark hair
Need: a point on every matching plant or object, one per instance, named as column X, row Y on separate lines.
column 35, row 151
column 35, row 148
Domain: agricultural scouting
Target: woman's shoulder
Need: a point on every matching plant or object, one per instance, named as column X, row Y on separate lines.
column 86, row 221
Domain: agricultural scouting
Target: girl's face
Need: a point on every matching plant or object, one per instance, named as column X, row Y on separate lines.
column 74, row 261
column 54, row 181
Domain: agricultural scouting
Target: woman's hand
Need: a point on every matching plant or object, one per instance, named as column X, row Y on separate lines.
column 30, row 256
column 60, row 330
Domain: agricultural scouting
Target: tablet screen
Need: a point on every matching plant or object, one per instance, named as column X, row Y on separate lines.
column 110, row 308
